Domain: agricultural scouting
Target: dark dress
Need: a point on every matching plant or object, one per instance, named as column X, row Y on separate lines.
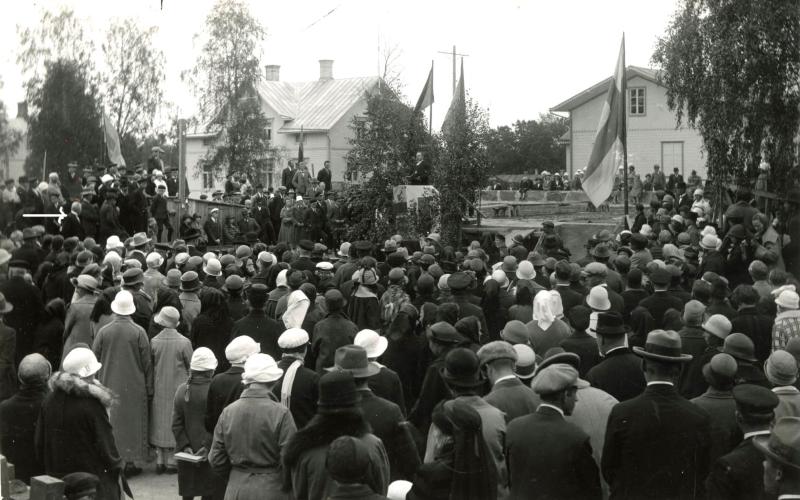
column 225, row 388
column 206, row 332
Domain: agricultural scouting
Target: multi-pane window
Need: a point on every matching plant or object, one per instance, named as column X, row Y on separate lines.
column 208, row 176
column 637, row 101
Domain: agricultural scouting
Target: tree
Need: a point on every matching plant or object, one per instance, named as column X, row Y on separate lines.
column 384, row 143
column 731, row 69
column 531, row 146
column 131, row 82
column 67, row 125
column 9, row 138
column 462, row 168
column 243, row 144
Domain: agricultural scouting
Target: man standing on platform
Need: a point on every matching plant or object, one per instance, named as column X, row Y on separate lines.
column 324, row 175
column 420, row 172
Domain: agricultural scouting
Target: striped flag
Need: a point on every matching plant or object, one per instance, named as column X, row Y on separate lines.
column 458, row 107
column 426, row 97
column 608, row 152
column 112, row 141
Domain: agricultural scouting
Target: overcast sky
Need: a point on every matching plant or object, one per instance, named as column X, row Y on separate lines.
column 524, row 56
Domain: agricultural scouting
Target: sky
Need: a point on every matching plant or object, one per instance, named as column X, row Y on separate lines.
column 523, row 57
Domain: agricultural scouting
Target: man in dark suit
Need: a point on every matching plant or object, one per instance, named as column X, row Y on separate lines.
column 324, row 175
column 386, row 382
column 297, row 389
column 549, row 457
column 692, row 382
column 30, row 251
column 226, row 387
column 459, row 282
column 275, row 205
column 620, row 371
column 212, row 227
column 740, row 474
column 508, row 393
column 160, row 212
column 257, row 325
column 752, row 322
column 661, row 300
column 90, row 217
column 569, row 297
column 71, row 225
column 288, row 174
column 657, row 444
column 580, row 342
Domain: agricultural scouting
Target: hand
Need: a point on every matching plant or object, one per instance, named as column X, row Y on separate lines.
column 202, row 452
column 188, row 449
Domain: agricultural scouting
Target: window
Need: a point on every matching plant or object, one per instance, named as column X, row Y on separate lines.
column 637, row 101
column 208, row 176
column 671, row 157
column 208, row 141
column 269, row 130
column 360, row 126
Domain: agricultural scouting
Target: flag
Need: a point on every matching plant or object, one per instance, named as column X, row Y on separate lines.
column 300, row 147
column 426, row 97
column 457, row 110
column 112, row 141
column 608, row 152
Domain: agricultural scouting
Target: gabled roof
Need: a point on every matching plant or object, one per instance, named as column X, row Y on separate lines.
column 602, row 87
column 316, row 105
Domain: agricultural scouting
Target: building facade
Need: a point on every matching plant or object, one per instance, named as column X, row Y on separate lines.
column 653, row 137
column 322, row 109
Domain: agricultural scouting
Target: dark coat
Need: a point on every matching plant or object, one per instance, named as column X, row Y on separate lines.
column 619, row 374
column 467, row 308
column 90, row 218
column 212, row 229
column 692, row 383
column 434, row 389
column 330, row 334
column 73, row 433
column 656, row 446
column 72, row 226
column 631, row 298
column 386, row 384
column 550, row 458
column 432, row 481
column 725, row 433
column 582, row 344
column 714, row 262
column 303, row 402
column 206, row 332
column 18, row 417
column 658, row 303
column 109, row 223
column 158, row 208
column 385, row 418
column 513, row 398
column 31, row 254
column 758, row 327
column 403, row 357
column 569, row 297
column 225, row 388
column 262, row 329
column 738, row 475
column 750, row 373
column 28, row 310
column 353, row 491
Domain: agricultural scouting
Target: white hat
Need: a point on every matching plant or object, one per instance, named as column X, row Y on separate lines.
column 106, row 178
column 154, row 259
column 241, row 348
column 81, row 361
column 646, row 230
column 709, row 242
column 324, row 266
column 782, row 289
column 123, row 303
column 677, row 218
column 374, row 344
column 708, row 230
column 293, row 338
column 213, row 210
column 698, row 191
column 788, row 300
column 525, row 271
column 168, row 317
column 261, row 368
column 700, row 212
column 298, row 198
column 266, row 257
column 181, row 258
column 213, row 268
column 208, row 256
column 398, row 490
column 500, row 276
column 280, row 280
column 113, row 241
column 598, row 298
column 203, row 359
column 344, row 249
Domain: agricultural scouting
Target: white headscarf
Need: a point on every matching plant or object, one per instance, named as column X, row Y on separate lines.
column 542, row 309
column 555, row 304
column 296, row 307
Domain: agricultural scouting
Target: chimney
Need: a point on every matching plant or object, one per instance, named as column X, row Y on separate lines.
column 22, row 110
column 273, row 73
column 326, row 69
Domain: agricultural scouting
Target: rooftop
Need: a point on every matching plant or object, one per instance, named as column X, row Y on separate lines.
column 602, row 87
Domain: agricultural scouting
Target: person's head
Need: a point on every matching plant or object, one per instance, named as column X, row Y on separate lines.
column 498, row 359
column 80, row 486
column 693, row 313
column 256, row 296
column 778, row 277
column 755, row 407
column 758, row 270
column 557, row 385
column 81, row 362
column 240, row 348
column 662, row 356
column 461, row 371
column 781, row 368
column 261, row 369
column 720, row 372
column 781, row 449
column 716, row 329
column 788, row 300
column 419, row 156
column 594, row 274
column 34, row 370
column 327, row 164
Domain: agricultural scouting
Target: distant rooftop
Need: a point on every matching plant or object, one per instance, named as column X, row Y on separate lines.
column 602, row 87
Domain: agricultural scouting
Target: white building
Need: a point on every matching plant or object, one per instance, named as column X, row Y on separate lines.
column 652, row 134
column 323, row 108
column 13, row 166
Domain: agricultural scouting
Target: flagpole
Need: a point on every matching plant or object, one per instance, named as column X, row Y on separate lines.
column 624, row 86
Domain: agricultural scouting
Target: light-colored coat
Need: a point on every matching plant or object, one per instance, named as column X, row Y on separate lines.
column 152, row 280
column 172, row 355
column 122, row 347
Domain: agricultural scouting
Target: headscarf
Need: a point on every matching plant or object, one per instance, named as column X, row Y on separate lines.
column 555, row 304
column 542, row 309
column 296, row 307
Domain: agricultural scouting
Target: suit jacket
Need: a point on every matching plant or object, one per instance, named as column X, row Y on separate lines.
column 262, row 329
column 386, row 384
column 225, row 388
column 211, row 229
column 549, row 457
column 513, row 398
column 158, row 208
column 738, row 475
column 619, row 374
column 385, row 419
column 725, row 433
column 72, row 226
column 658, row 303
column 90, row 218
column 657, row 446
column 582, row 344
column 303, row 402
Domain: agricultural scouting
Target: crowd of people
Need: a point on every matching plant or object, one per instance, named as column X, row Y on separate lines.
column 663, row 363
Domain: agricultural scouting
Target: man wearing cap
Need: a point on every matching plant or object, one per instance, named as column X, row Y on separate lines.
column 508, row 393
column 30, row 251
column 212, row 227
column 657, row 443
column 334, row 331
column 661, row 300
column 18, row 416
column 109, row 217
column 718, row 402
column 303, row 261
column 787, row 321
column 739, row 474
column 133, row 282
column 781, row 450
column 253, row 459
column 257, row 325
column 160, row 212
column 751, row 321
column 547, row 456
column 619, row 373
column 459, row 283
column 123, row 348
column 297, row 389
column 692, row 381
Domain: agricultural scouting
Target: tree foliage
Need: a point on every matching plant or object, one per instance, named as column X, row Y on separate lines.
column 9, row 138
column 384, row 143
column 131, row 81
column 243, row 145
column 67, row 125
column 731, row 69
column 528, row 146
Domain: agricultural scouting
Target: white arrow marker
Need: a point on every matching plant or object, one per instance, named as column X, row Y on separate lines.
column 61, row 215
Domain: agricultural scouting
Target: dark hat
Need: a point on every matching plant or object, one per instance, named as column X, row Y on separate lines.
column 557, row 356
column 536, row 259
column 445, row 333
column 740, row 346
column 190, row 281
column 9, row 181
column 783, row 443
column 548, row 223
column 307, row 245
column 664, row 346
column 84, row 258
column 28, row 233
column 363, row 245
column 754, row 400
column 610, row 324
column 661, row 276
column 353, row 359
column 257, row 292
column 234, row 282
column 459, row 281
column 334, row 300
column 427, row 259
column 639, row 239
column 80, row 484
column 337, row 392
column 24, row 264
column 133, row 276
column 347, row 460
column 461, row 368
column 295, row 278
column 601, row 251
column 396, row 259
column 738, row 231
column 191, row 234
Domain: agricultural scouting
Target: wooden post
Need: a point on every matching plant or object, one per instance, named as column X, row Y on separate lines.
column 182, row 194
column 46, row 488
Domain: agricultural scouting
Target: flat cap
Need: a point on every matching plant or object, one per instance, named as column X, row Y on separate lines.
column 459, row 281
column 498, row 349
column 661, row 276
column 293, row 338
column 754, row 399
column 555, row 378
column 445, row 333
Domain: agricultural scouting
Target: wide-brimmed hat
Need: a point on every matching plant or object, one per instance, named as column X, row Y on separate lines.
column 709, row 242
column 598, row 298
column 172, row 278
column 783, row 442
column 85, row 282
column 140, row 239
column 601, row 251
column 557, row 355
column 461, row 368
column 353, row 359
column 132, row 277
column 123, row 303
column 5, row 306
column 444, row 333
column 337, row 393
column 664, row 346
column 190, row 281
column 213, row 268
column 81, row 361
column 372, row 342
